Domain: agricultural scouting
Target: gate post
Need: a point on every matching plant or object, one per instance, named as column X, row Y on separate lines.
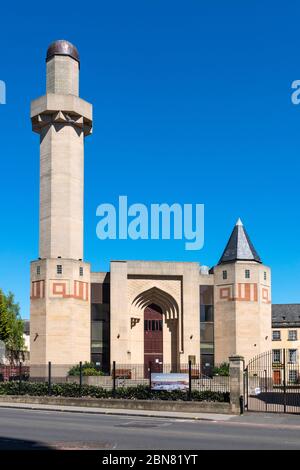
column 236, row 383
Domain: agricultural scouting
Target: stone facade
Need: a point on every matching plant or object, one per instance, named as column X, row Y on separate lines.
column 241, row 325
column 174, row 287
column 193, row 314
column 60, row 312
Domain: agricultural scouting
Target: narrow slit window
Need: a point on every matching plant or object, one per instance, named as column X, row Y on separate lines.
column 59, row 269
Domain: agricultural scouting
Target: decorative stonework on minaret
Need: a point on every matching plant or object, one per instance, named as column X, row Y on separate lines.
column 60, row 280
column 63, row 120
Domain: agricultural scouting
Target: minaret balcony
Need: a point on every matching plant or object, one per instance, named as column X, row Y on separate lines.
column 64, row 109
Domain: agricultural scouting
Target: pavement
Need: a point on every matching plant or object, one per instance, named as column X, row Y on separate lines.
column 250, row 418
column 38, row 427
column 120, row 411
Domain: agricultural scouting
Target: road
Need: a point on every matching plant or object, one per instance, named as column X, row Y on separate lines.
column 31, row 429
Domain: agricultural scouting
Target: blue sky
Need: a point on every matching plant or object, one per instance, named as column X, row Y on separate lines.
column 192, row 104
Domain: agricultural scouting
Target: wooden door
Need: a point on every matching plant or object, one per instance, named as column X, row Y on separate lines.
column 276, row 377
column 153, row 339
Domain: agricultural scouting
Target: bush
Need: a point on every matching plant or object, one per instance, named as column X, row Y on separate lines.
column 91, row 371
column 88, row 368
column 140, row 392
column 25, row 388
column 222, row 369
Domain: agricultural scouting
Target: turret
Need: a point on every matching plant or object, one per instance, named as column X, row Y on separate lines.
column 242, row 299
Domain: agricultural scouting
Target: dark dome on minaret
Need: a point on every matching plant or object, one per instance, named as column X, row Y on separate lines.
column 62, row 47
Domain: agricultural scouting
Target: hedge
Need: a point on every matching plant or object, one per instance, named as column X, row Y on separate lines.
column 88, row 368
column 140, row 392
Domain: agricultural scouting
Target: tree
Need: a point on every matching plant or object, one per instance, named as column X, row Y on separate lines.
column 11, row 327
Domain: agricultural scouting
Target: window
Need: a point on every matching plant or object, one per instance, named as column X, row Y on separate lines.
column 293, row 376
column 292, row 356
column 224, row 274
column 100, row 293
column 97, row 333
column 207, row 348
column 247, row 273
column 206, row 333
column 81, row 271
column 276, row 355
column 100, row 337
column 265, row 276
column 206, row 313
column 100, row 312
column 207, row 363
column 206, row 295
column 38, row 270
column 207, row 327
column 292, row 335
column 276, row 335
column 153, row 325
column 59, row 269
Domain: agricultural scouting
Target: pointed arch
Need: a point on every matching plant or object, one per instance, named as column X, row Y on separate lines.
column 165, row 301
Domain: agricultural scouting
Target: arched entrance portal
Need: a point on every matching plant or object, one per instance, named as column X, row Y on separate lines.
column 153, row 338
column 161, row 329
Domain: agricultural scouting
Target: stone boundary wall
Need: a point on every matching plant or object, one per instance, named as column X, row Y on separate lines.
column 155, row 405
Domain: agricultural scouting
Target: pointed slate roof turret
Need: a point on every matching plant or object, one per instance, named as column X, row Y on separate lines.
column 239, row 246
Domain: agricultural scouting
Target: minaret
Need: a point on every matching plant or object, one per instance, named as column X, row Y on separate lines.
column 63, row 120
column 60, row 280
column 242, row 293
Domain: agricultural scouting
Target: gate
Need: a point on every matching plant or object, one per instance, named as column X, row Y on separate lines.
column 272, row 382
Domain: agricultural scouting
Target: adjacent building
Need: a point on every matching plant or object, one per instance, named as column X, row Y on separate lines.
column 285, row 342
